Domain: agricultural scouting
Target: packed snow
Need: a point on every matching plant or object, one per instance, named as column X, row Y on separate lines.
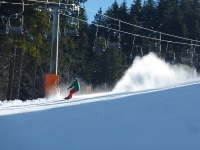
column 154, row 106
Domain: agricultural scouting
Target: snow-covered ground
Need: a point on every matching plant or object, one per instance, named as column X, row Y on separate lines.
column 154, row 106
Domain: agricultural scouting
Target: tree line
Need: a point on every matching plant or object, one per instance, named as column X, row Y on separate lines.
column 25, row 57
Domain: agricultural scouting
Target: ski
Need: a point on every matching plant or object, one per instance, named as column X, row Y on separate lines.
column 66, row 98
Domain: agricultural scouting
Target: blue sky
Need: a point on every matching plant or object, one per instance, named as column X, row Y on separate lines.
column 104, row 4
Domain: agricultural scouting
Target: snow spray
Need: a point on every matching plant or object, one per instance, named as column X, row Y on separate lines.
column 151, row 72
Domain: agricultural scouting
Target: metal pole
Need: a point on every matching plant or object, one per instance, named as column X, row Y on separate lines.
column 54, row 48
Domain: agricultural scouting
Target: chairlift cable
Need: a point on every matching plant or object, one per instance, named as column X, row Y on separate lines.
column 120, row 31
column 161, row 40
column 138, row 26
column 109, row 18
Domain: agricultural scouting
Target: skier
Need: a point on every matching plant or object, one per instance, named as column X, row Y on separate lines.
column 75, row 88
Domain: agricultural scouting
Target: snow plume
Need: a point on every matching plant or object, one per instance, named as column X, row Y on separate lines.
column 151, row 72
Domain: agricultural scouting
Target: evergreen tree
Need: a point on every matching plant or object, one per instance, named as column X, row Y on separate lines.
column 136, row 10
column 125, row 27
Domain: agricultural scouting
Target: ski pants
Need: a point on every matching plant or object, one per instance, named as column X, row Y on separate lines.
column 71, row 92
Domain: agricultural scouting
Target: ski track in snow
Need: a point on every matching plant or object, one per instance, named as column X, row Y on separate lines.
column 36, row 105
column 18, row 106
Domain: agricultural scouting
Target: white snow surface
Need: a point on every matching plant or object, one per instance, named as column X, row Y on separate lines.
column 155, row 106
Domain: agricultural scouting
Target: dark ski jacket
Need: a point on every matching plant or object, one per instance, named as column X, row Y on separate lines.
column 75, row 85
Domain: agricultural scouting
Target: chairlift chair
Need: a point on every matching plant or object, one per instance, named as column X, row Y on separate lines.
column 99, row 44
column 4, row 31
column 98, row 49
column 170, row 57
column 196, row 57
column 136, row 51
column 113, row 44
column 113, row 40
column 196, row 60
column 71, row 32
column 187, row 57
column 47, row 37
column 15, row 30
column 15, row 22
column 14, row 27
column 74, row 23
column 155, row 49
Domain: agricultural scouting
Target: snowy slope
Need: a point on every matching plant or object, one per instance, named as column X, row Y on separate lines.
column 145, row 116
column 165, row 119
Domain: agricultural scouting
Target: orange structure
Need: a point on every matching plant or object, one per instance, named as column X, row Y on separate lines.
column 51, row 84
